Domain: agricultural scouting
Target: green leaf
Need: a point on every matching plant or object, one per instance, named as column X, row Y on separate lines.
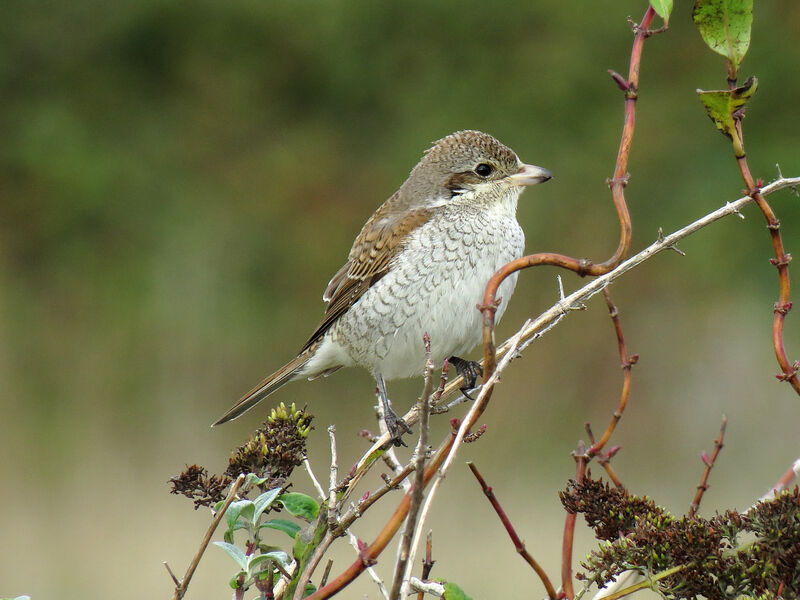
column 300, row 505
column 234, row 581
column 253, row 479
column 234, row 552
column 725, row 26
column 243, row 508
column 310, row 589
column 286, row 527
column 453, row 592
column 279, row 556
column 263, row 502
column 721, row 104
column 663, row 9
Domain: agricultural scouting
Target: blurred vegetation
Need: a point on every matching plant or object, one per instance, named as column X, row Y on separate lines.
column 178, row 181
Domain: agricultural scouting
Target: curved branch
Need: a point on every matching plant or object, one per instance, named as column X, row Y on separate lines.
column 617, row 184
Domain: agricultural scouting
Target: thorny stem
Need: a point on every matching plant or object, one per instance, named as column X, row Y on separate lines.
column 789, row 370
column 518, row 544
column 709, row 462
column 616, row 183
column 627, row 363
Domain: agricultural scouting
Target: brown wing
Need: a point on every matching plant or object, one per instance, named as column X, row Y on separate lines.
column 372, row 253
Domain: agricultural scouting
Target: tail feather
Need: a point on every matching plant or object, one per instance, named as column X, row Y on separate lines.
column 283, row 375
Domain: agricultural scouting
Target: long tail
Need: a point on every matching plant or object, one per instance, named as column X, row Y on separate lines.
column 283, row 375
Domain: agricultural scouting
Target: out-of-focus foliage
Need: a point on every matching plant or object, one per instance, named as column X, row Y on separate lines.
column 178, row 180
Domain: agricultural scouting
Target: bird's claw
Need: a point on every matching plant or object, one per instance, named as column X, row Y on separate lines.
column 470, row 370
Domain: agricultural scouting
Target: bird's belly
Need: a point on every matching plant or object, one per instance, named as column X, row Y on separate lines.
column 433, row 287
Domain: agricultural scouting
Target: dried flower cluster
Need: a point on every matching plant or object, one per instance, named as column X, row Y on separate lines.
column 202, row 488
column 271, row 453
column 722, row 558
column 275, row 449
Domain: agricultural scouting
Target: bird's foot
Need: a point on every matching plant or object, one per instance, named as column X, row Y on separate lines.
column 470, row 370
column 396, row 426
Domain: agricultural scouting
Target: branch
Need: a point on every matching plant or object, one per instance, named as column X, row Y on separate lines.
column 581, row 458
column 627, row 363
column 180, row 588
column 518, row 544
column 789, row 371
column 709, row 462
column 427, row 564
column 617, row 184
column 784, row 482
column 419, row 468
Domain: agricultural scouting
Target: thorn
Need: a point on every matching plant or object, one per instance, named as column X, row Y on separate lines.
column 737, row 212
column 672, row 247
column 171, row 574
column 621, row 82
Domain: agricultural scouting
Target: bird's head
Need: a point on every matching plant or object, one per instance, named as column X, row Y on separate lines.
column 471, row 165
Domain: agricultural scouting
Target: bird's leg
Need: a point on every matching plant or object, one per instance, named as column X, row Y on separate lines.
column 396, row 426
column 470, row 370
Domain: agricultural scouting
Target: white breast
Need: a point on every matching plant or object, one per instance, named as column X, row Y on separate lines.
column 434, row 286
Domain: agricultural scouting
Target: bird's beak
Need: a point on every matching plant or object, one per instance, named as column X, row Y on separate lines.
column 530, row 175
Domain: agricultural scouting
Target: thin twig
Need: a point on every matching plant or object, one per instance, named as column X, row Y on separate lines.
column 434, row 588
column 180, row 589
column 581, row 458
column 314, row 479
column 784, row 482
column 371, row 552
column 427, row 563
column 709, row 463
column 333, row 513
column 476, row 410
column 404, row 564
column 370, row 570
column 326, row 572
column 519, row 546
column 627, row 363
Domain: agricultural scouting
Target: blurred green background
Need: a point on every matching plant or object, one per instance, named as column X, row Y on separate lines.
column 179, row 180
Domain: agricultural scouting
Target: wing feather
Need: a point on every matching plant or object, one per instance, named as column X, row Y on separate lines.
column 380, row 240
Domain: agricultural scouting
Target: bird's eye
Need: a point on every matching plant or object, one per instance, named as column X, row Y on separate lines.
column 484, row 169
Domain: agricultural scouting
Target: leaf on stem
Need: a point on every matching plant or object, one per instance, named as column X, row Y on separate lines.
column 663, row 9
column 286, row 527
column 300, row 505
column 722, row 104
column 453, row 592
column 263, row 502
column 235, row 553
column 725, row 26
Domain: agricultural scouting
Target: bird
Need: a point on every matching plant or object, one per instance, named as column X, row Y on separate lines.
column 419, row 265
